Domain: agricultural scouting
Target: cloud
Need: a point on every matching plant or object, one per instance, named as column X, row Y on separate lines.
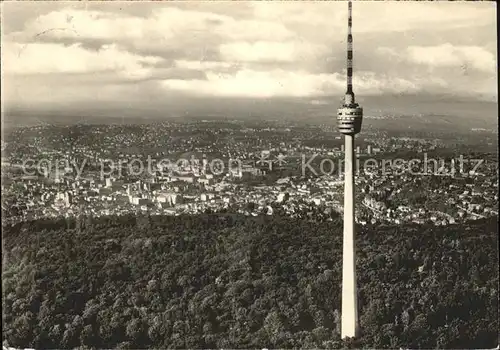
column 447, row 55
column 203, row 65
column 168, row 26
column 408, row 15
column 252, row 83
column 291, row 51
column 280, row 83
column 258, row 49
column 46, row 58
column 253, row 30
column 115, row 26
column 378, row 16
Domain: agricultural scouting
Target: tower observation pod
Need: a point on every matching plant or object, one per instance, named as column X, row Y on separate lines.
column 349, row 119
column 350, row 114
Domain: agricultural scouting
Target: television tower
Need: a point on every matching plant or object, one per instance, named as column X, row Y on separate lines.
column 349, row 118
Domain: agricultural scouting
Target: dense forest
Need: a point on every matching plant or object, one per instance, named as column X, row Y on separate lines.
column 227, row 281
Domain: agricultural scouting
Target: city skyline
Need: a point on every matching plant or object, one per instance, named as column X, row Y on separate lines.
column 247, row 51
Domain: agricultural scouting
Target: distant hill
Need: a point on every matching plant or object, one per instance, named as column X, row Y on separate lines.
column 439, row 110
column 226, row 281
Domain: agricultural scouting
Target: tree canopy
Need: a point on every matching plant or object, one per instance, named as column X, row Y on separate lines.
column 229, row 281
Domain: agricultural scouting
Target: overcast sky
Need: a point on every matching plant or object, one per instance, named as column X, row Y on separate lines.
column 93, row 53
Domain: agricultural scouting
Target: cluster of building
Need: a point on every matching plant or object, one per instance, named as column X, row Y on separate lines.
column 381, row 198
column 420, row 198
column 53, row 188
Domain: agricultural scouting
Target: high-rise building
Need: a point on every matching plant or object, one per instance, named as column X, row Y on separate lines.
column 63, row 199
column 109, row 182
column 349, row 118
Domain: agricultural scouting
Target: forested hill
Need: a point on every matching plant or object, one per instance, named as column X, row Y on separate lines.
column 225, row 281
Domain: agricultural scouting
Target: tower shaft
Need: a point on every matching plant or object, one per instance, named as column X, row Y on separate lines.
column 349, row 288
